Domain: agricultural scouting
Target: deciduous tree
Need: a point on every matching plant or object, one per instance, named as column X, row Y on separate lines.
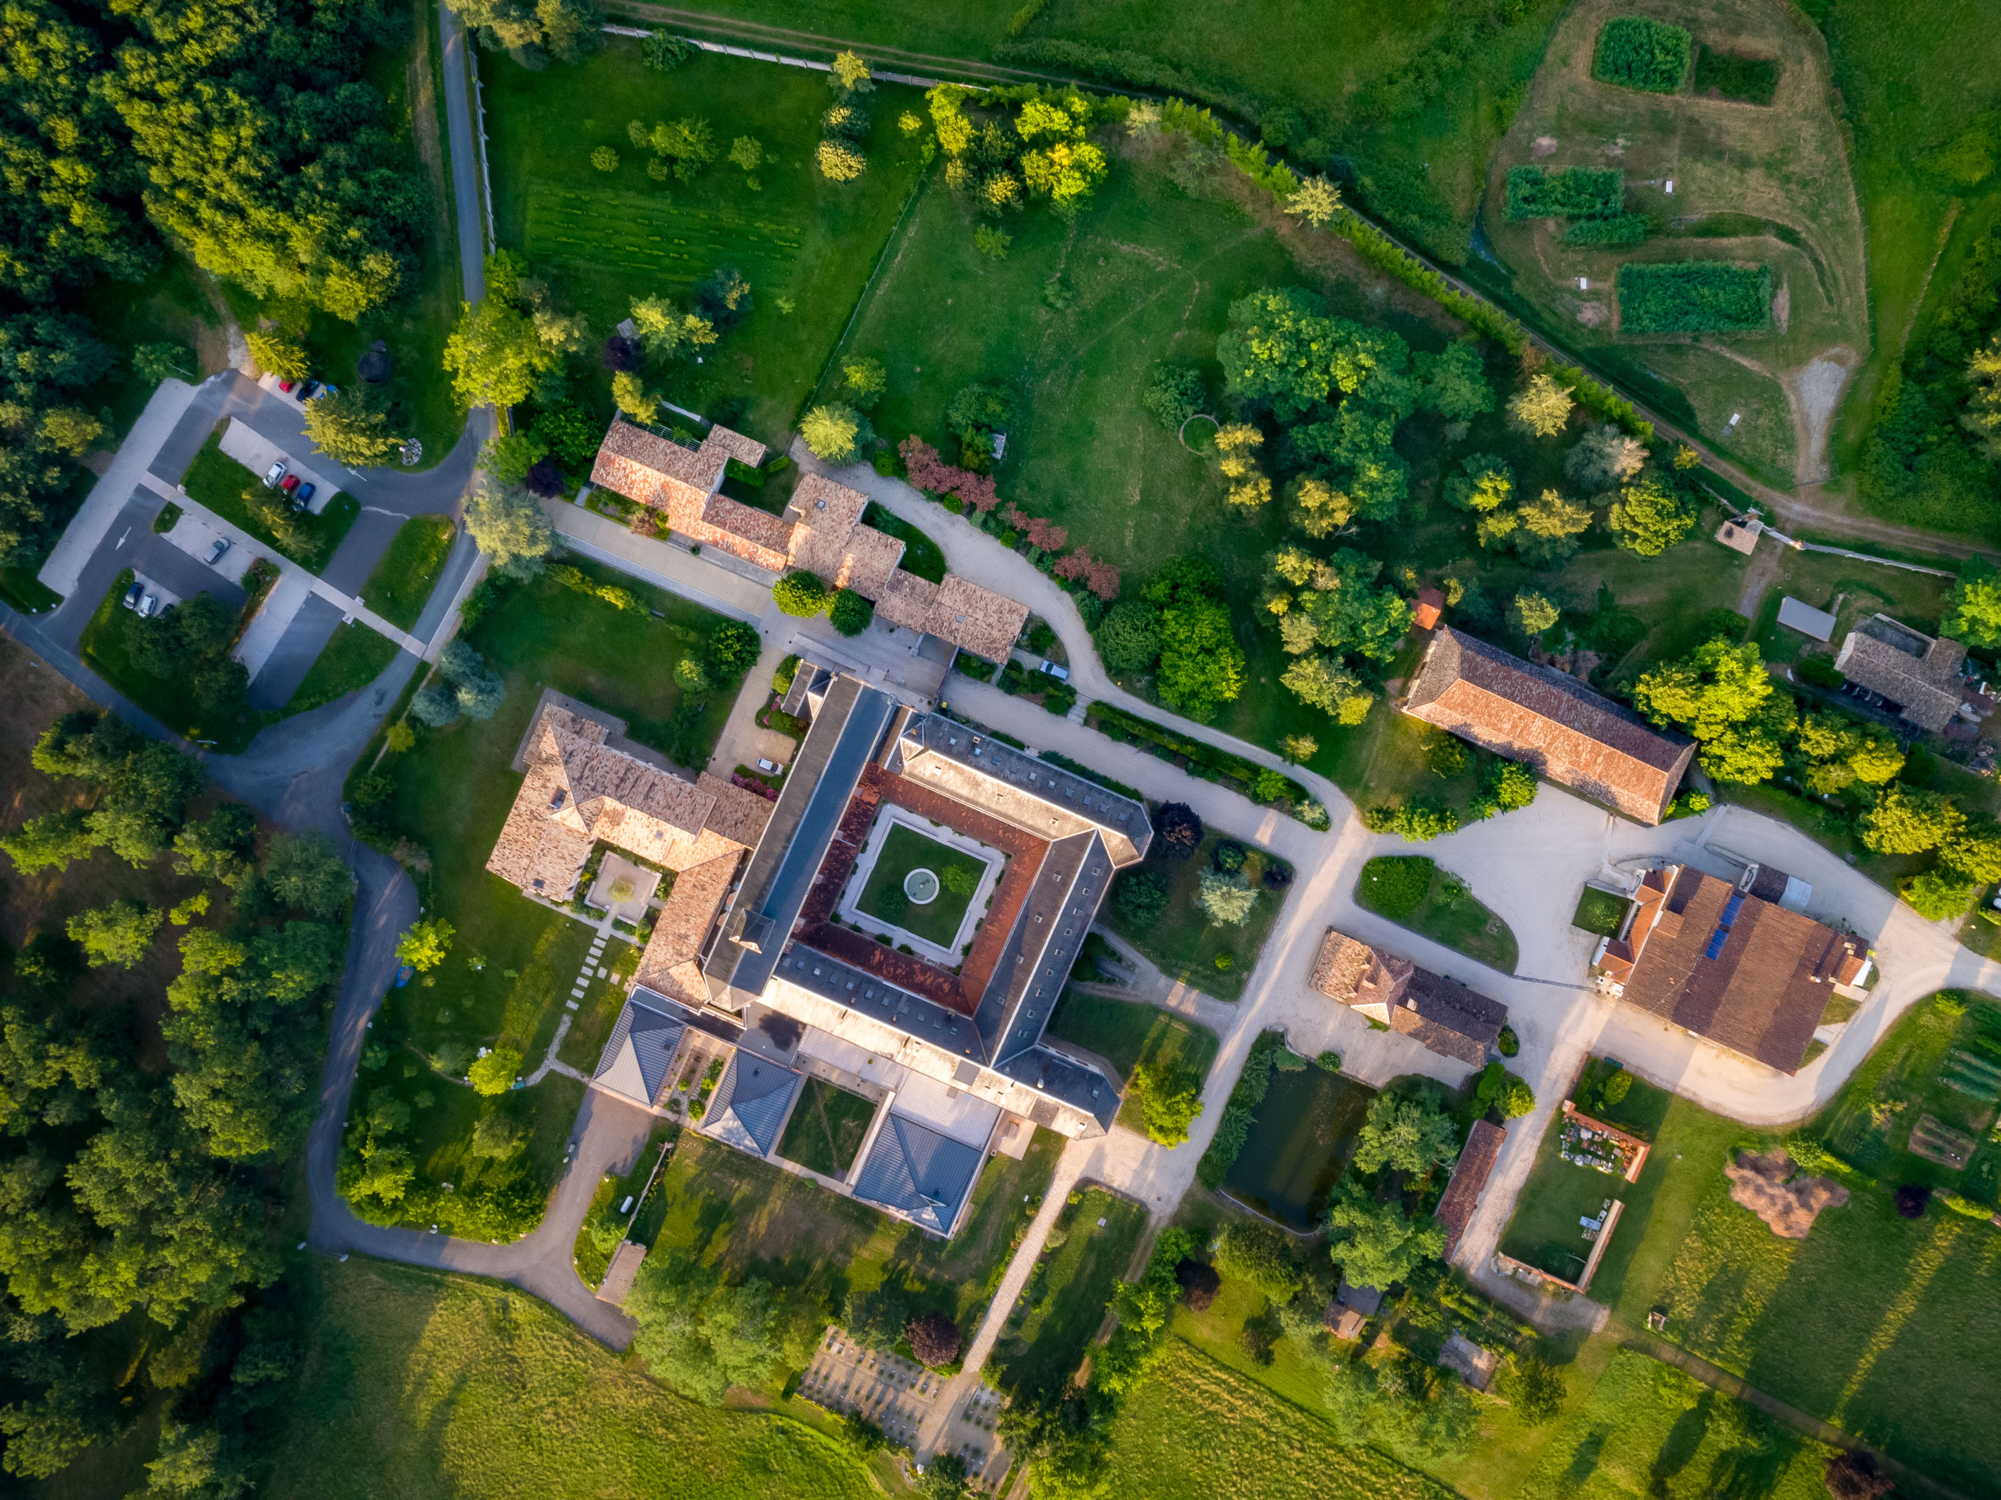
column 509, row 526
column 1542, row 405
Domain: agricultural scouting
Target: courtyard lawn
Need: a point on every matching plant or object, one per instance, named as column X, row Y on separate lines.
column 806, row 245
column 1545, row 1231
column 352, row 658
column 222, row 484
column 401, row 584
column 414, row 1383
column 1129, row 1034
column 752, row 1218
column 1599, row 911
column 921, row 555
column 826, row 1128
column 1183, row 942
column 1068, row 1293
column 1414, row 892
column 903, row 850
column 597, row 1012
column 1300, row 1141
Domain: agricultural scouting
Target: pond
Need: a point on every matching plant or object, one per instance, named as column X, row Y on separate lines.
column 1299, row 1145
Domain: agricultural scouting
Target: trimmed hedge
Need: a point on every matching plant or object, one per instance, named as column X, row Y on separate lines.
column 1200, row 758
column 1568, row 193
column 1694, row 296
column 1636, row 52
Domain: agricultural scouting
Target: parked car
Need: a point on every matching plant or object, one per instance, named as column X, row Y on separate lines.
column 149, row 606
column 307, row 389
column 273, row 474
column 303, row 496
column 134, row 594
column 768, row 766
column 215, row 553
column 1054, row 669
column 291, row 483
column 329, row 389
column 287, row 385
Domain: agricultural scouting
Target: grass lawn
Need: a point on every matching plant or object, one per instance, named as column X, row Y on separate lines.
column 826, row 1128
column 107, row 644
column 903, row 850
column 1196, row 1430
column 1544, row 1231
column 607, row 1222
column 753, row 1218
column 222, row 484
column 353, row 658
column 414, row 1383
column 1299, row 1144
column 1127, row 1034
column 1412, row 891
column 605, row 239
column 21, row 588
column 401, row 584
column 1184, row 943
column 1599, row 911
column 169, row 306
column 1068, row 1292
column 597, row 1012
column 921, row 555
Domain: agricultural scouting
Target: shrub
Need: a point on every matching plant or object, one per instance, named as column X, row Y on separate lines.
column 783, row 673
column 1636, row 52
column 1694, row 296
column 851, row 613
column 1230, row 856
column 1177, row 830
column 1253, row 1251
column 1198, row 1281
column 1395, row 886
column 834, row 432
column 1140, row 896
column 1614, row 232
column 801, row 594
column 1328, row 1062
column 1169, row 1098
column 934, row 1338
column 495, row 1073
column 1507, row 1043
column 1911, row 1199
column 1569, row 193
column 665, row 51
column 1226, row 900
column 1173, row 395
column 1937, row 894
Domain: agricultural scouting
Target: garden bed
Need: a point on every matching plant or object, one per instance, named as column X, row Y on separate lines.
column 1412, row 891
column 826, row 1128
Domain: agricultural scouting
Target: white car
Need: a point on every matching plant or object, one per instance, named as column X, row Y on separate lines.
column 768, row 766
column 1054, row 669
column 149, row 606
column 273, row 474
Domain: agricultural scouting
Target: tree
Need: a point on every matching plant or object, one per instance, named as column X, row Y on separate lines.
column 153, row 363
column 1542, row 406
column 934, row 1338
column 851, row 73
column 664, row 52
column 1140, row 896
column 1604, row 458
column 833, row 432
column 425, row 945
column 436, row 705
column 850, row 613
column 1259, row 1253
column 1227, row 900
column 1201, row 666
column 1376, row 1243
column 1974, row 850
column 1533, row 613
column 1173, row 394
column 1198, row 1281
column 1533, row 1385
column 605, row 159
column 1177, row 829
column 864, row 380
column 278, row 354
column 1170, row 1099
column 1275, row 350
column 304, row 872
column 1511, row 785
column 732, row 648
column 802, row 595
column 509, row 527
column 1128, row 638
column 53, row 841
column 1907, row 821
column 630, row 396
column 838, row 161
column 496, row 354
column 1856, row 1476
column 1406, row 1134
column 747, row 152
column 700, row 1336
column 1549, row 528
column 1973, row 613
column 563, row 29
column 1721, row 693
column 495, row 1072
column 1299, row 748
column 1453, row 383
column 119, row 933
column 1315, row 200
column 1483, row 483
column 666, row 330
column 1938, row 894
column 348, row 428
column 1982, row 416
column 1498, row 1089
column 1322, row 682
column 1649, row 517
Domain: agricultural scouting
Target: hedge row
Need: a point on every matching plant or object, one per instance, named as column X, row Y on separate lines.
column 1619, row 232
column 1241, row 1110
column 1694, row 296
column 1568, row 193
column 1201, row 759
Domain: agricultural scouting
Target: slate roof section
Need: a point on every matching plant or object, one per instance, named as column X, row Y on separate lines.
column 750, row 1104
column 1919, row 674
column 640, row 1052
column 1468, row 1181
column 1749, row 975
column 918, row 1174
column 1432, row 1009
column 1797, row 614
column 1550, row 721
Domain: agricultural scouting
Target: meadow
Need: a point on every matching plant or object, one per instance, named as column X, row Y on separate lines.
column 604, row 239
column 413, row 1383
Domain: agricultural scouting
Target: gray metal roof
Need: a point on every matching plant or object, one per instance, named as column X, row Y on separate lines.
column 751, row 1103
column 859, row 990
column 1066, row 1080
column 640, row 1050
column 1048, row 934
column 1797, row 615
column 914, row 1171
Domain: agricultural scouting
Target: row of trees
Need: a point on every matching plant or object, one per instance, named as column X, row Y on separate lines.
column 144, row 1148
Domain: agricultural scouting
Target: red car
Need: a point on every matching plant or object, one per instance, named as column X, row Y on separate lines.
column 289, row 483
column 286, row 386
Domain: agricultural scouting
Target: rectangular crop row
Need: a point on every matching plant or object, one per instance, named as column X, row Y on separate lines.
column 1694, row 296
column 1569, row 193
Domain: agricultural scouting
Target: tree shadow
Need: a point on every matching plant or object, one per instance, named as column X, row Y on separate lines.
column 1584, row 1462
column 1684, row 1439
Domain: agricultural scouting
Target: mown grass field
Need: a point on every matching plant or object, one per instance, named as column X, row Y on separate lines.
column 805, row 244
column 352, row 658
column 1412, row 890
column 412, row 1383
column 401, row 584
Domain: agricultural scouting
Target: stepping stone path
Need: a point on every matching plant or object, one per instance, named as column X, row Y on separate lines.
column 591, row 967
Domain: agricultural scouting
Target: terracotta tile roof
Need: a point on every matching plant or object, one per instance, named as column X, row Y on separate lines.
column 1469, row 1178
column 1743, row 972
column 868, row 561
column 1919, row 674
column 825, row 515
column 1433, row 1010
column 654, row 470
column 756, row 536
column 734, row 445
column 976, row 618
column 1549, row 720
column 669, row 964
column 906, row 600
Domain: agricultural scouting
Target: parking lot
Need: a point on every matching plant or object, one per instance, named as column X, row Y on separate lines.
column 257, row 453
column 197, row 538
